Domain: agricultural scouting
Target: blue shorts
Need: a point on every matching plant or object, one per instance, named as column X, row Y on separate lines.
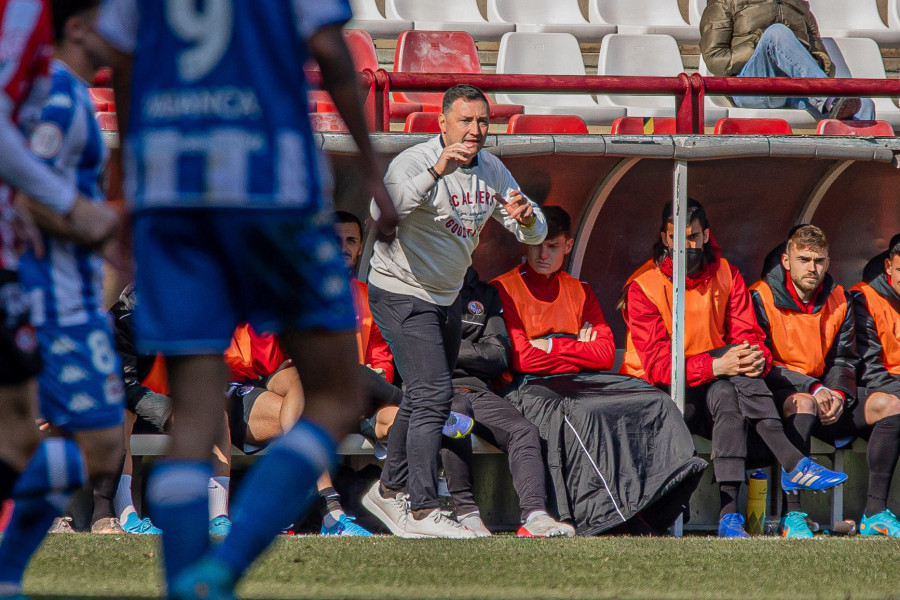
column 201, row 272
column 81, row 385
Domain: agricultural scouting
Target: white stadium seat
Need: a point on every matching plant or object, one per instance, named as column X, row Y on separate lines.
column 550, row 54
column 856, row 18
column 541, row 16
column 644, row 16
column 366, row 16
column 860, row 57
column 695, row 11
column 441, row 15
column 796, row 117
column 649, row 55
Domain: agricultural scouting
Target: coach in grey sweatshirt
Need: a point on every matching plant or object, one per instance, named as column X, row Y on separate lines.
column 444, row 191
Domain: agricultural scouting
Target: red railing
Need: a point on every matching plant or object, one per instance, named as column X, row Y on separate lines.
column 688, row 91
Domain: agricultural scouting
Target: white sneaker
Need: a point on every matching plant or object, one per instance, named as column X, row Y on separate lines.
column 436, row 525
column 393, row 512
column 473, row 522
column 545, row 526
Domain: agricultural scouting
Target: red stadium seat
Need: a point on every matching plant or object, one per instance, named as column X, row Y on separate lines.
column 731, row 126
column 103, row 78
column 546, row 124
column 643, row 126
column 107, row 121
column 422, row 122
column 103, row 99
column 835, row 127
column 327, row 122
column 362, row 49
column 441, row 52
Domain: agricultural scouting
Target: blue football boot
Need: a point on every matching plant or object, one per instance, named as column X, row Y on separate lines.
column 883, row 523
column 795, row 527
column 731, row 525
column 345, row 526
column 809, row 475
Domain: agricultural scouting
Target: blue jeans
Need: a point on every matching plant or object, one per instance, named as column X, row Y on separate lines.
column 780, row 54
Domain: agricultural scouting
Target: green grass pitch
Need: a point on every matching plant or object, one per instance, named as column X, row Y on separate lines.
column 503, row 567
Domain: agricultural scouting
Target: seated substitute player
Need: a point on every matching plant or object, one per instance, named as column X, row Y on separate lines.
column 483, row 358
column 235, row 190
column 80, row 386
column 725, row 359
column 876, row 312
column 809, row 328
column 148, row 407
column 560, row 340
column 26, row 37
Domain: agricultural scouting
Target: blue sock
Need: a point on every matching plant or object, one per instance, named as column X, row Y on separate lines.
column 275, row 491
column 41, row 493
column 177, row 497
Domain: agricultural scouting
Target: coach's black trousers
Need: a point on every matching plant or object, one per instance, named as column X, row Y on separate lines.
column 424, row 339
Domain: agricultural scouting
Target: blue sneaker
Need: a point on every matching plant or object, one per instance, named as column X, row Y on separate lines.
column 138, row 526
column 207, row 579
column 808, row 475
column 345, row 526
column 732, row 526
column 883, row 523
column 220, row 526
column 795, row 527
column 458, row 425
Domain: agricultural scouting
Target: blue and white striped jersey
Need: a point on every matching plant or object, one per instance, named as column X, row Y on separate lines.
column 218, row 113
column 67, row 283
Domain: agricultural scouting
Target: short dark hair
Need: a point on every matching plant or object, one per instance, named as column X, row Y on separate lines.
column 63, row 10
column 808, row 237
column 894, row 247
column 342, row 216
column 464, row 91
column 695, row 212
column 558, row 221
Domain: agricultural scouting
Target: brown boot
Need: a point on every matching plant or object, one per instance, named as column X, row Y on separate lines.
column 107, row 525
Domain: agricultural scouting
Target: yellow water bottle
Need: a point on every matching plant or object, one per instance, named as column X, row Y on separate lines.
column 757, row 492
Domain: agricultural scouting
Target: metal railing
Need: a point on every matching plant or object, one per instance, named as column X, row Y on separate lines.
column 688, row 91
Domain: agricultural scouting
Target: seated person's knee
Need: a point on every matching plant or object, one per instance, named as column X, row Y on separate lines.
column 881, row 405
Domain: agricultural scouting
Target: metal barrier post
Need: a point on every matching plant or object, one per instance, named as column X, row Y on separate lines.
column 679, row 214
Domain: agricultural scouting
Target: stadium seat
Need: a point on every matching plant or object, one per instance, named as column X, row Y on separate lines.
column 643, row 126
column 422, row 122
column 441, row 52
column 873, row 128
column 795, row 116
column 644, row 16
column 366, row 16
column 731, row 126
column 362, row 49
column 650, row 55
column 441, row 15
column 856, row 19
column 860, row 57
column 695, row 11
column 550, row 54
column 103, row 99
column 563, row 124
column 327, row 122
column 541, row 16
column 107, row 121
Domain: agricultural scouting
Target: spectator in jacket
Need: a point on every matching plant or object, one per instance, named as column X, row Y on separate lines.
column 772, row 38
column 483, row 357
column 809, row 326
column 725, row 358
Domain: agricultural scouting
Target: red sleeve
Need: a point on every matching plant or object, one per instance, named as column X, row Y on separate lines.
column 26, row 48
column 252, row 355
column 740, row 319
column 654, row 344
column 378, row 354
column 598, row 355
